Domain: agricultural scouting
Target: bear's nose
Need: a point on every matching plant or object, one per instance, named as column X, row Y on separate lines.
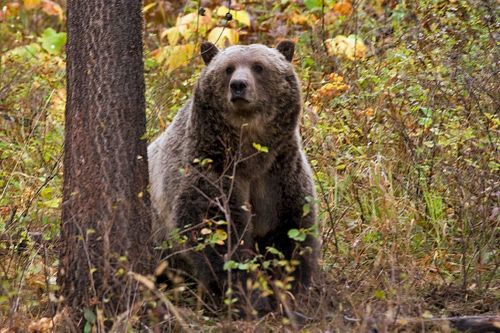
column 238, row 87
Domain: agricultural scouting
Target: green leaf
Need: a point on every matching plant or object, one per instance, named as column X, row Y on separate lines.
column 313, row 4
column 306, row 209
column 293, row 233
column 25, row 52
column 275, row 251
column 260, row 148
column 379, row 294
column 218, row 237
column 230, row 264
column 206, row 161
column 228, row 301
column 89, row 316
column 52, row 203
column 53, row 41
column 297, row 235
column 340, row 167
column 243, row 266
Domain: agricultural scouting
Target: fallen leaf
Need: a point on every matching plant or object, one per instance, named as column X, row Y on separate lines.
column 42, row 325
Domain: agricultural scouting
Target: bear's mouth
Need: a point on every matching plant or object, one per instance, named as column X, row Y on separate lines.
column 239, row 100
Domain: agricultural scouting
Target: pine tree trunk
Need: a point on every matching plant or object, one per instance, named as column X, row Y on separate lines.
column 106, row 221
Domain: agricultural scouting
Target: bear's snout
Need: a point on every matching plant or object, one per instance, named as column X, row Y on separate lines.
column 238, row 87
column 241, row 87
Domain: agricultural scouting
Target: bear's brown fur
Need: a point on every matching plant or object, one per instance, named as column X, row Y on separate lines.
column 205, row 167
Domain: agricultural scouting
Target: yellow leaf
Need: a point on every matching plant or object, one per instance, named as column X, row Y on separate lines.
column 351, row 47
column 146, row 8
column 31, row 4
column 334, row 87
column 178, row 55
column 222, row 10
column 221, row 236
column 53, row 203
column 189, row 23
column 241, row 16
column 204, row 22
column 223, row 36
column 184, row 30
column 221, row 233
column 172, row 34
column 186, row 19
column 427, row 314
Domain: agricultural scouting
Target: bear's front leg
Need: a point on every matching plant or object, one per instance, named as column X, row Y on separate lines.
column 296, row 210
column 212, row 216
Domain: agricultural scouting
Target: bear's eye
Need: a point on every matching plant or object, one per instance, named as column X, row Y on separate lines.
column 229, row 70
column 257, row 68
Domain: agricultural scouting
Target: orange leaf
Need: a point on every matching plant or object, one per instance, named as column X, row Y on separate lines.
column 52, row 8
column 343, row 8
column 11, row 9
column 31, row 4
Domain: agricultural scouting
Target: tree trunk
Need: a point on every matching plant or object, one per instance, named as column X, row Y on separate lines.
column 106, row 221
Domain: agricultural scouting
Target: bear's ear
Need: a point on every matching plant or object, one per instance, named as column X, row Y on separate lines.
column 286, row 48
column 208, row 52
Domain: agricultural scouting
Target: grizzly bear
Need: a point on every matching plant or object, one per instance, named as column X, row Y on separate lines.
column 232, row 160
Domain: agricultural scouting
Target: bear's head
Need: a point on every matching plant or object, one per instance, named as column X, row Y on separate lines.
column 249, row 83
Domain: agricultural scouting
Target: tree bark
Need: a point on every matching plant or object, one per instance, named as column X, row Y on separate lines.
column 106, row 222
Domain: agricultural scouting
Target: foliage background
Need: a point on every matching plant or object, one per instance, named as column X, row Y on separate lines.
column 400, row 123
